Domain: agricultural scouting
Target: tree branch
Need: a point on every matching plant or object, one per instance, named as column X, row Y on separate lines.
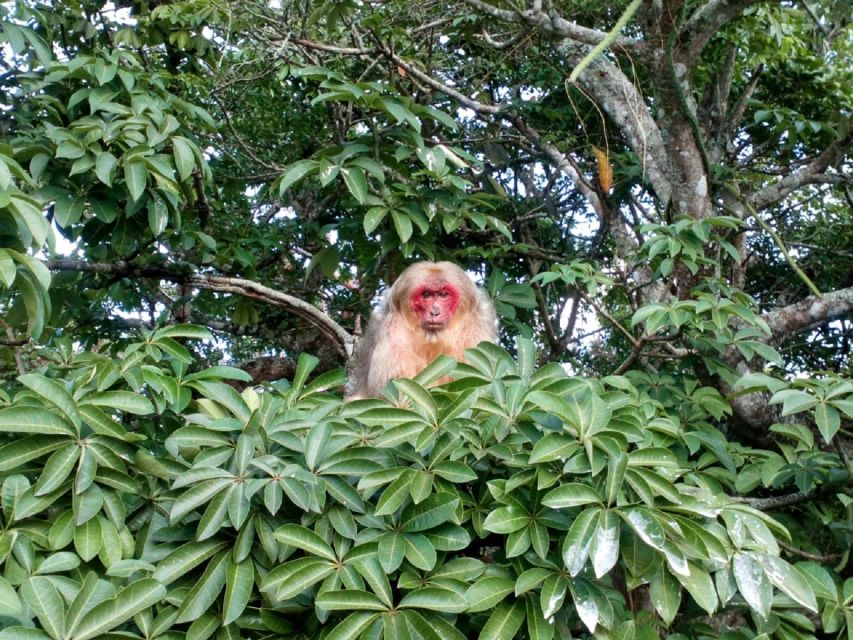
column 561, row 162
column 809, row 313
column 620, row 99
column 342, row 339
column 790, row 499
column 554, row 24
column 811, row 173
column 706, row 21
column 753, row 409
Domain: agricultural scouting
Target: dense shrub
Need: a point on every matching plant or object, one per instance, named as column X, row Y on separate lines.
column 142, row 501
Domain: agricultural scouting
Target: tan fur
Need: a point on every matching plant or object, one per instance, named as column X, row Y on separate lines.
column 395, row 345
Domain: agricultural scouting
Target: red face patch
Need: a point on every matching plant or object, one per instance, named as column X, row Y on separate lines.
column 434, row 304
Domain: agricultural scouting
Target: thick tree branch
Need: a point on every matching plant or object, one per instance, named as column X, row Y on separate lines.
column 811, row 173
column 614, row 92
column 240, row 286
column 553, row 24
column 809, row 313
column 706, row 21
column 753, row 409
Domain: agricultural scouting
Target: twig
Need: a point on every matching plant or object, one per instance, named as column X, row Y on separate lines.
column 781, row 245
column 16, row 343
column 637, row 343
column 823, row 559
column 240, row 286
column 790, row 499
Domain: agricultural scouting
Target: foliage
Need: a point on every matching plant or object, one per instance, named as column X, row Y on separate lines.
column 660, row 446
column 513, row 498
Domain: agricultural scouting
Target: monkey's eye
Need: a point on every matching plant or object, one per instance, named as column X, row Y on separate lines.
column 444, row 293
column 427, row 294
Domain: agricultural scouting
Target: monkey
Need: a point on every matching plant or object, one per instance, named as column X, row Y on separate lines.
column 432, row 309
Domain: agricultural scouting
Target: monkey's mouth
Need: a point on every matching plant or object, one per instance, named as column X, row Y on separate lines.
column 433, row 327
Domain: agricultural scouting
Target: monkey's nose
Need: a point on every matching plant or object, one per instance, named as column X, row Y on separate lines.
column 434, row 311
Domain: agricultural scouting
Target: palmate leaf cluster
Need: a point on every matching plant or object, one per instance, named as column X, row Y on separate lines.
column 142, row 501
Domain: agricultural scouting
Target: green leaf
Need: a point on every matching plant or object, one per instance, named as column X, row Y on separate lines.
column 553, row 594
column 295, row 173
column 8, row 271
column 788, row 580
column 591, row 604
column 570, row 495
column 36, row 303
column 530, row 579
column 126, row 401
column 23, row 633
column 205, row 590
column 395, row 494
column 402, row 224
column 538, row 627
column 23, row 450
column 449, row 537
column 577, row 542
column 645, row 525
column 93, row 591
column 419, row 551
column 57, row 469
column 203, row 627
column 506, row 520
column 199, row 494
column 435, row 510
column 29, row 215
column 184, row 559
column 87, row 539
column 239, row 581
column 10, row 604
column 434, row 599
column 194, row 332
column 137, row 596
column 793, row 401
column 373, row 218
column 305, row 539
column 58, row 563
column 182, row 152
column 68, row 208
column 44, row 599
column 454, row 471
column 391, row 550
column 665, row 595
column 105, row 167
column 421, row 399
column 356, row 183
column 352, row 626
column 400, row 113
column 305, row 577
column 168, row 345
column 136, row 177
column 752, row 583
column 553, row 446
column 604, row 547
column 33, row 420
column 699, row 584
column 504, row 622
column 487, row 592
column 372, row 572
column 213, row 518
column 349, row 600
column 828, row 421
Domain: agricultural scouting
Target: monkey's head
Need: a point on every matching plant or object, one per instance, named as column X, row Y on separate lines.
column 432, row 295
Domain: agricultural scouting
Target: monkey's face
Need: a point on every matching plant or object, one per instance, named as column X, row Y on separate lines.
column 434, row 304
